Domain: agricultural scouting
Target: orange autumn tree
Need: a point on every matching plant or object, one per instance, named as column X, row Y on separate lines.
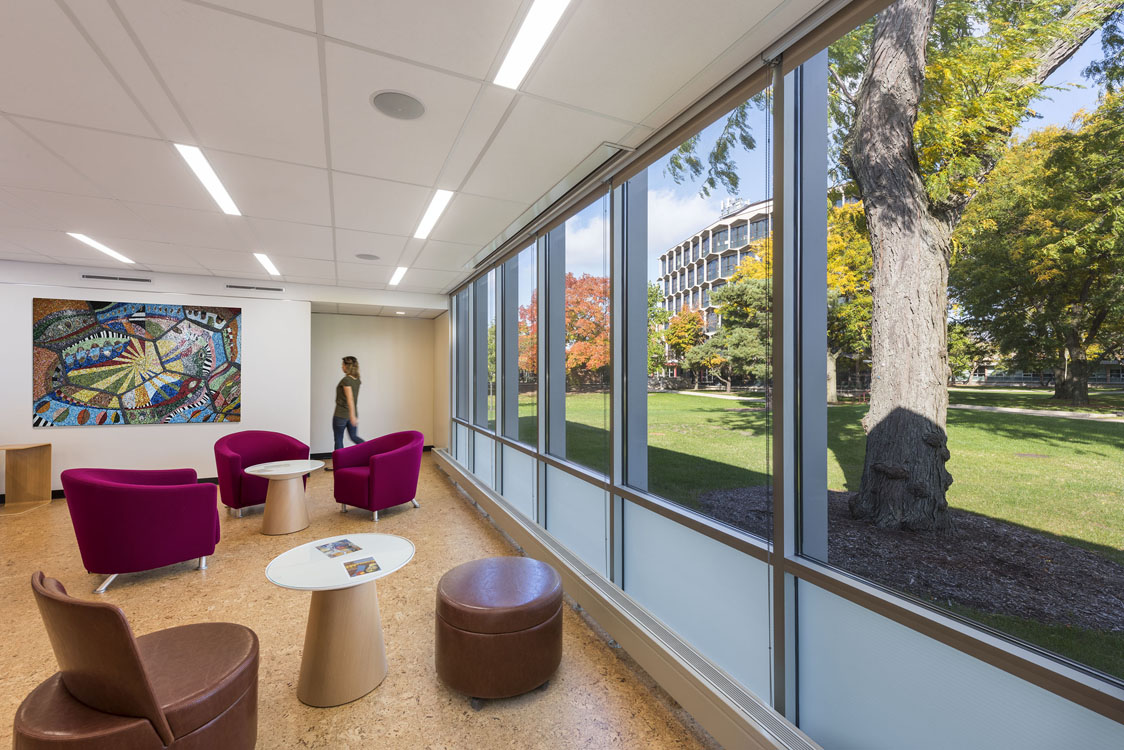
column 586, row 329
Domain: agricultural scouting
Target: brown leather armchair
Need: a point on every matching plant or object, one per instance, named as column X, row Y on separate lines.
column 192, row 686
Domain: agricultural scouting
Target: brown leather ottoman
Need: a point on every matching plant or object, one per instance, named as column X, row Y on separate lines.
column 499, row 626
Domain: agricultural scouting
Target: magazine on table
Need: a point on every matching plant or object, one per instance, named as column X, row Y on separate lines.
column 362, row 567
column 338, row 547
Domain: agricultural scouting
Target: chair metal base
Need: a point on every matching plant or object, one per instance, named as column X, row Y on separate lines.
column 105, row 584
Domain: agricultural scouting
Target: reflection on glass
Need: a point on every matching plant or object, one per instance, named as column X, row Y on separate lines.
column 707, row 403
column 586, row 336
column 1000, row 294
column 527, row 325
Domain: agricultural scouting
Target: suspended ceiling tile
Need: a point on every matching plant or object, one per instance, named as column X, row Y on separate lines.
column 461, row 36
column 128, row 167
column 474, row 220
column 270, row 189
column 419, row 279
column 346, row 308
column 324, row 307
column 77, row 213
column 306, row 268
column 26, row 163
column 522, row 164
column 299, row 13
column 369, row 142
column 102, row 24
column 51, row 72
column 360, row 273
column 244, row 86
column 209, row 228
column 286, row 238
column 226, row 261
column 487, row 113
column 445, row 256
column 372, row 205
column 350, row 243
column 591, row 64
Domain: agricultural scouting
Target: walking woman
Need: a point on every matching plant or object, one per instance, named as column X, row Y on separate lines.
column 347, row 399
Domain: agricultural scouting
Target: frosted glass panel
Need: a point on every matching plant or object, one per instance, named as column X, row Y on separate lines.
column 867, row 682
column 484, row 459
column 715, row 597
column 577, row 515
column 519, row 481
column 462, row 445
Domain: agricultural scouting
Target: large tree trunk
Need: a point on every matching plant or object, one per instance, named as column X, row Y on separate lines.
column 832, row 377
column 904, row 478
column 1071, row 383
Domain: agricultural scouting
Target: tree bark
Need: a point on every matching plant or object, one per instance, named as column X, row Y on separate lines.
column 1071, row 383
column 832, row 379
column 904, row 477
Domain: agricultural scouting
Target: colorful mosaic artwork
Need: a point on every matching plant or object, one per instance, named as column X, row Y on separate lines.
column 105, row 363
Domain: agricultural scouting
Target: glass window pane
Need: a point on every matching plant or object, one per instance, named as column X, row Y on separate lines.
column 703, row 442
column 577, row 515
column 484, row 350
column 521, row 325
column 461, row 346
column 584, row 341
column 966, row 319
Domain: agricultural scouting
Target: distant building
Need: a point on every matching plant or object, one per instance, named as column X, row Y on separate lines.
column 698, row 265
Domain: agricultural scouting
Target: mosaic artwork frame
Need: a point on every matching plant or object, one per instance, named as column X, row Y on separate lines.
column 100, row 363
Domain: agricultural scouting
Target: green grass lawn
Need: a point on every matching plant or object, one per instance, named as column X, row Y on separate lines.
column 1069, row 482
column 1100, row 399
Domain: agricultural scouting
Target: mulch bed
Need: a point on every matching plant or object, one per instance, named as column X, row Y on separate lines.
column 988, row 565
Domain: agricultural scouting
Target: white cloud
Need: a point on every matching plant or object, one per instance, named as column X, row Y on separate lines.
column 587, row 242
column 673, row 218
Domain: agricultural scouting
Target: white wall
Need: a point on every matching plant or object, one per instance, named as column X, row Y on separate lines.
column 275, row 385
column 441, row 384
column 396, row 363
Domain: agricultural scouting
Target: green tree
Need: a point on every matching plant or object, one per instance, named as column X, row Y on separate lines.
column 1041, row 249
column 657, row 321
column 967, row 350
column 849, row 302
column 924, row 100
column 684, row 332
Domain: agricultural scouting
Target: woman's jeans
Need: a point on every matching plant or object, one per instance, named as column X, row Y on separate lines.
column 338, row 425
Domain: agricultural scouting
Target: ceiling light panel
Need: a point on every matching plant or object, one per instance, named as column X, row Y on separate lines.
column 98, row 246
column 436, row 207
column 202, row 169
column 398, row 274
column 536, row 29
column 267, row 264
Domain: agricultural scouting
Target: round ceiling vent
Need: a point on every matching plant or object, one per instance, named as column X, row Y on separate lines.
column 397, row 105
column 366, row 256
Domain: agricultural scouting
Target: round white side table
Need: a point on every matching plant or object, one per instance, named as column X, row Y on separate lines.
column 285, row 508
column 344, row 653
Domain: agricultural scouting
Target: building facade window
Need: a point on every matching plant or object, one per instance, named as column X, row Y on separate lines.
column 739, row 235
column 721, row 237
column 712, row 269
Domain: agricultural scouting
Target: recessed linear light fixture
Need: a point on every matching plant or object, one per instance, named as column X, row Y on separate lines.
column 436, row 206
column 98, row 246
column 398, row 274
column 399, row 312
column 202, row 169
column 267, row 264
column 536, row 29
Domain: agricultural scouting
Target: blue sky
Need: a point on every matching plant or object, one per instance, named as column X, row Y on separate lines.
column 676, row 211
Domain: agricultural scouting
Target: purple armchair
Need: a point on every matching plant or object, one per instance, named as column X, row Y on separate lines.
column 379, row 473
column 127, row 521
column 237, row 451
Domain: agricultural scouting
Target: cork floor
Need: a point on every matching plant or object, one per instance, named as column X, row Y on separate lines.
column 598, row 698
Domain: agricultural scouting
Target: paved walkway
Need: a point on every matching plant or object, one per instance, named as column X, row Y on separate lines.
column 1109, row 417
column 726, row 396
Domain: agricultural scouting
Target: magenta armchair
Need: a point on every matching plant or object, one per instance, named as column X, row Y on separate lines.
column 237, row 451
column 379, row 473
column 127, row 521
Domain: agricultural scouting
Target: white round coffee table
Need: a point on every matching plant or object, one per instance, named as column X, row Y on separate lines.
column 344, row 655
column 285, row 509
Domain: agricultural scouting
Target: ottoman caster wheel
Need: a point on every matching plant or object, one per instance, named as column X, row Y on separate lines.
column 476, row 703
column 543, row 686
